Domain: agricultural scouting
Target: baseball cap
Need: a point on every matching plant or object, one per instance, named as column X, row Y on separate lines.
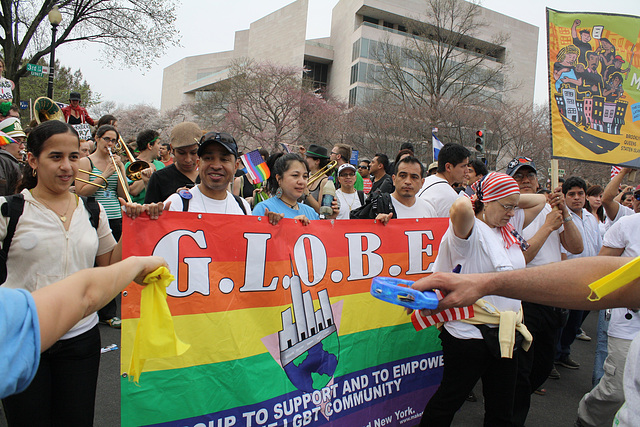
column 519, row 162
column 75, row 96
column 222, row 138
column 346, row 166
column 433, row 165
column 619, row 58
column 185, row 134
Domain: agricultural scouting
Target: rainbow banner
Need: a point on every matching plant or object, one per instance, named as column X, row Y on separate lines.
column 281, row 326
column 594, row 86
column 256, row 166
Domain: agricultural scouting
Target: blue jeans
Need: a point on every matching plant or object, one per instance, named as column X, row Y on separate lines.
column 568, row 334
column 601, row 349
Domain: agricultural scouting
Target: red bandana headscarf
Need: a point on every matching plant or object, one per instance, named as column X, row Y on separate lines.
column 495, row 186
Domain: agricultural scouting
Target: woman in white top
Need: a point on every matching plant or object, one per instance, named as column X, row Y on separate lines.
column 55, row 238
column 481, row 239
column 348, row 197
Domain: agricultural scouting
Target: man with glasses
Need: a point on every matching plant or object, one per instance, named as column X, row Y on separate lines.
column 10, row 156
column 184, row 170
column 363, row 170
column 546, row 234
column 341, row 153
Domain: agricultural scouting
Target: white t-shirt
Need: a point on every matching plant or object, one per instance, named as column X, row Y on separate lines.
column 590, row 230
column 624, row 233
column 348, row 202
column 482, row 252
column 439, row 194
column 201, row 203
column 420, row 209
column 550, row 250
column 43, row 252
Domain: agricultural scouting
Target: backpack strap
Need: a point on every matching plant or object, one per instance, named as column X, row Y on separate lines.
column 435, row 183
column 239, row 201
column 92, row 206
column 12, row 209
column 361, row 197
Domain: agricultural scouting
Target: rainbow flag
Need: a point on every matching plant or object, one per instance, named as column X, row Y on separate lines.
column 6, row 139
column 256, row 167
column 281, row 325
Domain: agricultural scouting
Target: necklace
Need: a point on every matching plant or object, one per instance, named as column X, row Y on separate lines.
column 63, row 217
column 292, row 206
column 353, row 196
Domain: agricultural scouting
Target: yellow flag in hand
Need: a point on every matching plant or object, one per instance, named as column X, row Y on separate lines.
column 155, row 335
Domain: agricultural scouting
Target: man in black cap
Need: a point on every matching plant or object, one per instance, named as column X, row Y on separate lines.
column 218, row 153
column 74, row 114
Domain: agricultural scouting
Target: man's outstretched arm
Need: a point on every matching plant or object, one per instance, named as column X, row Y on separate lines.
column 562, row 284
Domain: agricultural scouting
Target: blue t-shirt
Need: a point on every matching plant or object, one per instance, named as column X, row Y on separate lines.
column 274, row 204
column 19, row 340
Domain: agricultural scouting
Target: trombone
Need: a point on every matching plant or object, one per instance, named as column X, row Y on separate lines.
column 123, row 182
column 95, row 184
column 135, row 168
column 324, row 171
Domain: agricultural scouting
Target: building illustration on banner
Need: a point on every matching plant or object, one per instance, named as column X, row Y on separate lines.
column 588, row 76
column 308, row 340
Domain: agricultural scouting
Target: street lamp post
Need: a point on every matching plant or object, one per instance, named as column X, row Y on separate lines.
column 55, row 17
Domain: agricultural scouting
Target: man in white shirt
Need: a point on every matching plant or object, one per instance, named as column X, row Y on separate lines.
column 218, row 153
column 600, row 405
column 408, row 180
column 546, row 234
column 453, row 161
column 574, row 190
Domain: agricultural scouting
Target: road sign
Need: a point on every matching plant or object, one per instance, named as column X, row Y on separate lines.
column 38, row 70
column 24, row 105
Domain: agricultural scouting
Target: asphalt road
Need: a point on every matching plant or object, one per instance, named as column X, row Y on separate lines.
column 557, row 408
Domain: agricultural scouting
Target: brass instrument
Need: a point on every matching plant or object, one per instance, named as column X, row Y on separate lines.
column 45, row 109
column 123, row 182
column 94, row 183
column 135, row 168
column 322, row 172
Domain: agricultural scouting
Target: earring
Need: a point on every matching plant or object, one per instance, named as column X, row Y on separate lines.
column 34, row 173
column 279, row 192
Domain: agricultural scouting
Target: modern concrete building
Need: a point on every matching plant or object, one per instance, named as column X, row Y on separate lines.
column 340, row 62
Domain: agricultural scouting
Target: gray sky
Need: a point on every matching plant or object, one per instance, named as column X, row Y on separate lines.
column 222, row 18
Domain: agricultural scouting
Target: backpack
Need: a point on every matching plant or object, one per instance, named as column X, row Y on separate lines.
column 13, row 209
column 185, row 203
column 377, row 203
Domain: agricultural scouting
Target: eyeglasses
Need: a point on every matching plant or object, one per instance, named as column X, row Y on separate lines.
column 347, row 175
column 518, row 176
column 333, row 152
column 363, row 167
column 508, row 208
column 109, row 140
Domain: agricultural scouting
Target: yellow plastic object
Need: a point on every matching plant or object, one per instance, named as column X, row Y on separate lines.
column 614, row 280
column 155, row 335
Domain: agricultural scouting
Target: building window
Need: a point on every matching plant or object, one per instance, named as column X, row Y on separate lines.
column 354, row 73
column 402, row 28
column 370, row 19
column 387, row 24
column 317, row 74
column 352, row 96
column 356, row 50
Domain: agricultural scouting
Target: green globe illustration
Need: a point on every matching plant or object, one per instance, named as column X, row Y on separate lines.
column 314, row 368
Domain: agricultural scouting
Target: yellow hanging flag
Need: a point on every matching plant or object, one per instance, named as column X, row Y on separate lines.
column 155, row 335
column 614, row 280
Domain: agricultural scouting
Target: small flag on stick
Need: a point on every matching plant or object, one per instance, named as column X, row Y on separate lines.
column 255, row 166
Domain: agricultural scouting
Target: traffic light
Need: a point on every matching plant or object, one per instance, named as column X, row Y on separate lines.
column 480, row 141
